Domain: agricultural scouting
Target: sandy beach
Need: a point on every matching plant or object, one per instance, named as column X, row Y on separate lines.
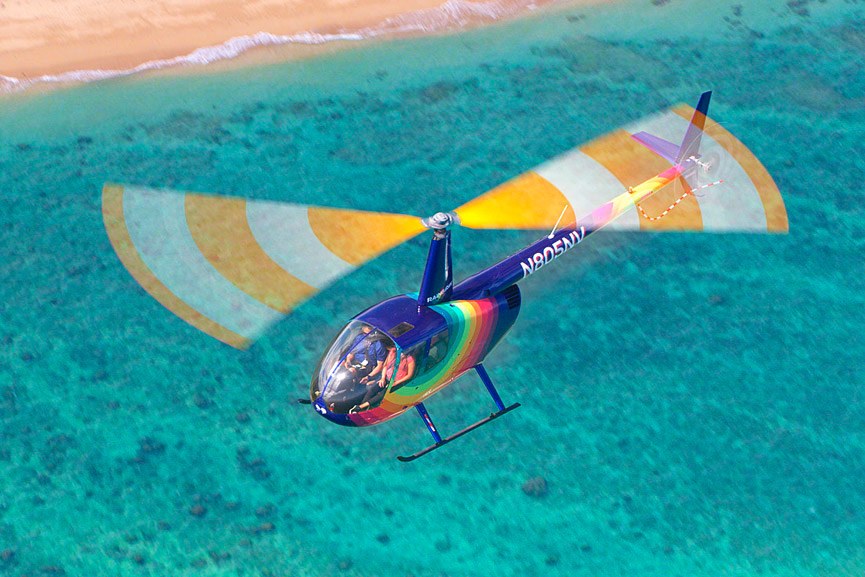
column 42, row 39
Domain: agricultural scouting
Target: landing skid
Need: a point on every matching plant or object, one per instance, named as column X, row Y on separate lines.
column 439, row 441
column 448, row 439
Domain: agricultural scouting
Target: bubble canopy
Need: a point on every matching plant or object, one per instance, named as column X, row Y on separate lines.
column 347, row 373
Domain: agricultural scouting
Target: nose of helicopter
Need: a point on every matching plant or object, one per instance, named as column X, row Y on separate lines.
column 322, row 409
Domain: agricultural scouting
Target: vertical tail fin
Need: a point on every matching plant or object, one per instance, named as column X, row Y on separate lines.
column 690, row 144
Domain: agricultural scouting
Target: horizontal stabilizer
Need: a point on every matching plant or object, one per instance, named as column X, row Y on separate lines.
column 663, row 148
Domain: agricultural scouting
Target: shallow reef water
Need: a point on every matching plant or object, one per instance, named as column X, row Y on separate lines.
column 692, row 404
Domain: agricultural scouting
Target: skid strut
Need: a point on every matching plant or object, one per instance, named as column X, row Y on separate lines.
column 439, row 441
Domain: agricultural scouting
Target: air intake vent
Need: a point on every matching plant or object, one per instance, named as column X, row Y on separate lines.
column 512, row 294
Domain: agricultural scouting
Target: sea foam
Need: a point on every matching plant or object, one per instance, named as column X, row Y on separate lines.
column 451, row 15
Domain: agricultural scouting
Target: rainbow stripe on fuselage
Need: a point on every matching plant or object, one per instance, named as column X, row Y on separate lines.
column 473, row 327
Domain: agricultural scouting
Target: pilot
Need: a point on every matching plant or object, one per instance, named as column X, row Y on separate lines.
column 375, row 389
column 366, row 355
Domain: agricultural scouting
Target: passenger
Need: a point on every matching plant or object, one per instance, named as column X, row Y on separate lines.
column 404, row 372
column 437, row 349
column 366, row 355
column 376, row 388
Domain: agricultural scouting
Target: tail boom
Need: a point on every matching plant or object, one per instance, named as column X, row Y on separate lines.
column 610, row 211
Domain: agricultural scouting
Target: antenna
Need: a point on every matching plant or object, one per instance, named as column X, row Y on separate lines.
column 555, row 226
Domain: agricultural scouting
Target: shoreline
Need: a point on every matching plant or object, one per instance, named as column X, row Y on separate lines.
column 45, row 59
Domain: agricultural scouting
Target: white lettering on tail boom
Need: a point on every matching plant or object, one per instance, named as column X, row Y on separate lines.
column 553, row 251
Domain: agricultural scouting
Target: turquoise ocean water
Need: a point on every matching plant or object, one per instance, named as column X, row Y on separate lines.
column 694, row 403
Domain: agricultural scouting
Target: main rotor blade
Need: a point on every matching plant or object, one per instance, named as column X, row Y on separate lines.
column 232, row 267
column 592, row 175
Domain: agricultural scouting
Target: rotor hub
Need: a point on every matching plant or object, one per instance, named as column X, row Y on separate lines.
column 440, row 220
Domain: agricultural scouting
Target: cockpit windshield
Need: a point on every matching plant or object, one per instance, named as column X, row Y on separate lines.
column 351, row 376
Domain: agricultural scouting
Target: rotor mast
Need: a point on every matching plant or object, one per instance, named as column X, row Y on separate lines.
column 437, row 284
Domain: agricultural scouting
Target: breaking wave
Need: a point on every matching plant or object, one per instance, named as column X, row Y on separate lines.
column 452, row 15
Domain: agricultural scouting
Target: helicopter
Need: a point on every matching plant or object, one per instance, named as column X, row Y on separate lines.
column 233, row 267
